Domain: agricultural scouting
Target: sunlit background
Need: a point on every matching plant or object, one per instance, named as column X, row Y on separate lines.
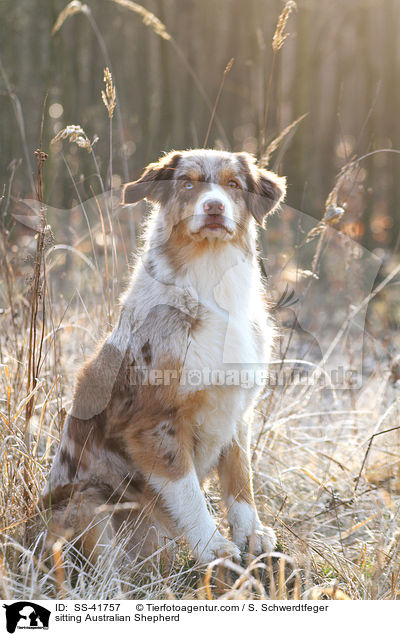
column 340, row 64
column 189, row 73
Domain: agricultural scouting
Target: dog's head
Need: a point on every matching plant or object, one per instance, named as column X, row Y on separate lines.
column 208, row 194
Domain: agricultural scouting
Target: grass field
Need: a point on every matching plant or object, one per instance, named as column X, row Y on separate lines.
column 328, row 487
column 325, row 455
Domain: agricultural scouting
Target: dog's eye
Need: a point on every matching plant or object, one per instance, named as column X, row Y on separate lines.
column 188, row 185
column 233, row 184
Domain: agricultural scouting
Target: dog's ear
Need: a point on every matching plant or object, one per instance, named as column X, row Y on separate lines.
column 269, row 192
column 266, row 189
column 153, row 184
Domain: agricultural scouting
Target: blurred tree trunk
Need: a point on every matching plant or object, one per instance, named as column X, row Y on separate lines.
column 332, row 61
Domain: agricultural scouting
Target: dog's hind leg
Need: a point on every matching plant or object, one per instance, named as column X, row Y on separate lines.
column 77, row 514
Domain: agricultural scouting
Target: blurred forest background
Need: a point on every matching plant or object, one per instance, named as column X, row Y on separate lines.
column 331, row 257
column 340, row 64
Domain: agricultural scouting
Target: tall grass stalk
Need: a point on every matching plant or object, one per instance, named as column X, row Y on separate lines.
column 278, row 40
column 214, row 110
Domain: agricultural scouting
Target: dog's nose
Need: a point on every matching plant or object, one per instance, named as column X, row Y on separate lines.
column 213, row 206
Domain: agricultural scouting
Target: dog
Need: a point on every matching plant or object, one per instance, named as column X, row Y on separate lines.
column 151, row 418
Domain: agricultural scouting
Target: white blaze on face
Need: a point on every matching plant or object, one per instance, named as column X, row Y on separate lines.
column 216, row 193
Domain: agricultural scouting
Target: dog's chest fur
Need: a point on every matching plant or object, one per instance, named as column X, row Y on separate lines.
column 222, row 342
column 226, row 289
column 220, row 292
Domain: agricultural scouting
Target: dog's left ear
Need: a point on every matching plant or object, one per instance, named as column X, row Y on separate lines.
column 154, row 182
column 267, row 190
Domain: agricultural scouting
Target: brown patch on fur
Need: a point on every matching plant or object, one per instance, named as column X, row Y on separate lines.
column 87, row 433
column 95, row 382
column 58, row 495
column 153, row 184
column 93, row 432
column 63, row 495
column 76, row 515
column 69, row 463
column 235, row 474
column 190, row 174
column 87, row 510
column 226, row 174
column 181, row 249
column 265, row 189
column 159, row 435
column 146, row 351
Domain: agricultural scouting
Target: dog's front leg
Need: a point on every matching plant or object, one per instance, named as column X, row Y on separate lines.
column 234, row 471
column 185, row 503
column 162, row 452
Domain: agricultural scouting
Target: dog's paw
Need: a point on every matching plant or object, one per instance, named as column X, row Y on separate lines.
column 263, row 539
column 248, row 533
column 218, row 546
column 258, row 540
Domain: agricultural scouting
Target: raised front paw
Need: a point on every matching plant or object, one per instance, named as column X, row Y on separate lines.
column 248, row 533
column 217, row 546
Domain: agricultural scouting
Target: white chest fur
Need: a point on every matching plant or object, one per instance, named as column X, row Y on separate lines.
column 227, row 288
column 222, row 346
column 217, row 424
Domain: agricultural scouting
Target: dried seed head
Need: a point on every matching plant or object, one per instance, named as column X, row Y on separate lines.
column 108, row 95
column 229, row 66
column 149, row 19
column 346, row 173
column 279, row 35
column 333, row 211
column 333, row 214
column 71, row 9
column 40, row 155
column 275, row 143
column 76, row 135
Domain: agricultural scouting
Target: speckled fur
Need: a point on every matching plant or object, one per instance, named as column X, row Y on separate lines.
column 195, row 301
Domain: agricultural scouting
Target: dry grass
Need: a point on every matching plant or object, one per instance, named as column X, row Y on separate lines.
column 314, row 455
column 326, row 460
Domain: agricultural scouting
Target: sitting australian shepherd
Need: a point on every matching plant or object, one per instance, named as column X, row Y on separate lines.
column 151, row 417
